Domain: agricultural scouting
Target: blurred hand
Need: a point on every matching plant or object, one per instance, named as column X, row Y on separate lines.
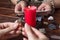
column 45, row 7
column 9, row 30
column 20, row 6
column 33, row 34
column 7, row 26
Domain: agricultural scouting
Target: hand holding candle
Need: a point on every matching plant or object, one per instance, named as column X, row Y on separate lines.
column 30, row 15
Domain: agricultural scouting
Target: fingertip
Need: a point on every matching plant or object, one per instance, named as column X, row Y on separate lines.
column 16, row 9
column 16, row 21
column 23, row 29
column 16, row 24
column 18, row 32
column 27, row 26
column 24, row 33
column 20, row 28
column 41, row 6
column 25, row 39
column 12, row 32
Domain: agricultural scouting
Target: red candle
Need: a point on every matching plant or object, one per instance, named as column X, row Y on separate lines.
column 30, row 15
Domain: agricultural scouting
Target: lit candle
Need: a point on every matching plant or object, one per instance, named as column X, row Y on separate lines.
column 30, row 15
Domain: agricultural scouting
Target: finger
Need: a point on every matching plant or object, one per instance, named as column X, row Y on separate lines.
column 4, row 31
column 14, row 26
column 38, row 33
column 17, row 8
column 16, row 21
column 15, row 32
column 47, row 8
column 12, row 32
column 9, row 25
column 23, row 29
column 23, row 4
column 24, row 35
column 4, row 25
column 41, row 6
column 29, row 32
column 18, row 30
column 25, row 39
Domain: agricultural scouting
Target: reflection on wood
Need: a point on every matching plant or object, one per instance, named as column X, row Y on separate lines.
column 7, row 14
column 6, row 3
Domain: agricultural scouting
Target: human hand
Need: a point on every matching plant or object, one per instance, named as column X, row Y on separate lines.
column 45, row 7
column 8, row 26
column 33, row 33
column 8, row 30
column 20, row 6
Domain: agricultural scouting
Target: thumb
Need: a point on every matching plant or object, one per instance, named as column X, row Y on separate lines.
column 17, row 8
column 41, row 6
column 20, row 6
column 29, row 32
